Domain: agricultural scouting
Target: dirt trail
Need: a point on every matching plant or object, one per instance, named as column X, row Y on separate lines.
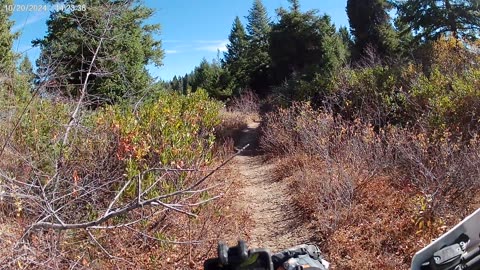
column 267, row 202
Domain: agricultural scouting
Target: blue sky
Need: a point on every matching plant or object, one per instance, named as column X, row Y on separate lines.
column 191, row 29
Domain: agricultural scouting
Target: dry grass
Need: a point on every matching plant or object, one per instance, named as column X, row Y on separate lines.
column 236, row 116
column 247, row 103
column 374, row 197
column 165, row 239
column 170, row 240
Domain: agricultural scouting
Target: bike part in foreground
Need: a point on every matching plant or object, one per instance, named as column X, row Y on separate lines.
column 240, row 257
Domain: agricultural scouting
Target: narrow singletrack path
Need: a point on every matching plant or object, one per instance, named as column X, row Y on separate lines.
column 268, row 203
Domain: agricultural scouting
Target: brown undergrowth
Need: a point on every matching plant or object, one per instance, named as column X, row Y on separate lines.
column 172, row 240
column 184, row 242
column 178, row 237
column 374, row 196
column 240, row 111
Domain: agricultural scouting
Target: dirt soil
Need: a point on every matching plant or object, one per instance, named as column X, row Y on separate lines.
column 275, row 223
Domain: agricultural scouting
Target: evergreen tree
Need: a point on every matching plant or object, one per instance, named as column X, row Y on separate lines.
column 407, row 43
column 429, row 19
column 126, row 46
column 7, row 57
column 175, row 84
column 185, row 84
column 258, row 26
column 212, row 78
column 346, row 40
column 235, row 58
column 304, row 43
column 24, row 79
column 25, row 69
column 258, row 29
column 370, row 26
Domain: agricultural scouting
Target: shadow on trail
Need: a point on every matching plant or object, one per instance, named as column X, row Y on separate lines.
column 249, row 135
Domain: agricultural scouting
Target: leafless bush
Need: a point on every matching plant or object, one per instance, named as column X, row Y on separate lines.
column 330, row 159
column 232, row 123
column 444, row 169
column 91, row 197
column 328, row 192
column 301, row 129
column 278, row 133
column 247, row 103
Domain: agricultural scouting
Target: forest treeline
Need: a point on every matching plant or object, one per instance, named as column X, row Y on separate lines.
column 387, row 70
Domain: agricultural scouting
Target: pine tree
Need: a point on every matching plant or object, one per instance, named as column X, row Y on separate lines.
column 429, row 19
column 235, row 58
column 7, row 57
column 304, row 43
column 24, row 79
column 126, row 46
column 295, row 5
column 258, row 26
column 346, row 39
column 175, row 84
column 371, row 28
column 258, row 29
column 25, row 69
column 212, row 78
column 185, row 84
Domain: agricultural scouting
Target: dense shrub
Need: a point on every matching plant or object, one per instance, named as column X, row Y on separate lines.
column 324, row 155
column 300, row 128
column 442, row 170
column 156, row 146
column 438, row 94
column 172, row 130
column 345, row 169
column 372, row 94
column 448, row 102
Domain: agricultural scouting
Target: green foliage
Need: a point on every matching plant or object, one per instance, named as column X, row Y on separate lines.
column 25, row 68
column 442, row 92
column 449, row 103
column 370, row 26
column 372, row 94
column 24, row 79
column 169, row 130
column 298, row 88
column 126, row 46
column 304, row 43
column 431, row 19
column 258, row 30
column 258, row 26
column 7, row 57
column 305, row 51
column 246, row 62
column 40, row 132
column 407, row 45
column 235, row 59
column 346, row 39
column 441, row 97
column 113, row 145
column 213, row 78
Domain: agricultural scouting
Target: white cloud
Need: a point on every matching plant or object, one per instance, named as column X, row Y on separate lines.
column 215, row 45
column 29, row 20
column 205, row 41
